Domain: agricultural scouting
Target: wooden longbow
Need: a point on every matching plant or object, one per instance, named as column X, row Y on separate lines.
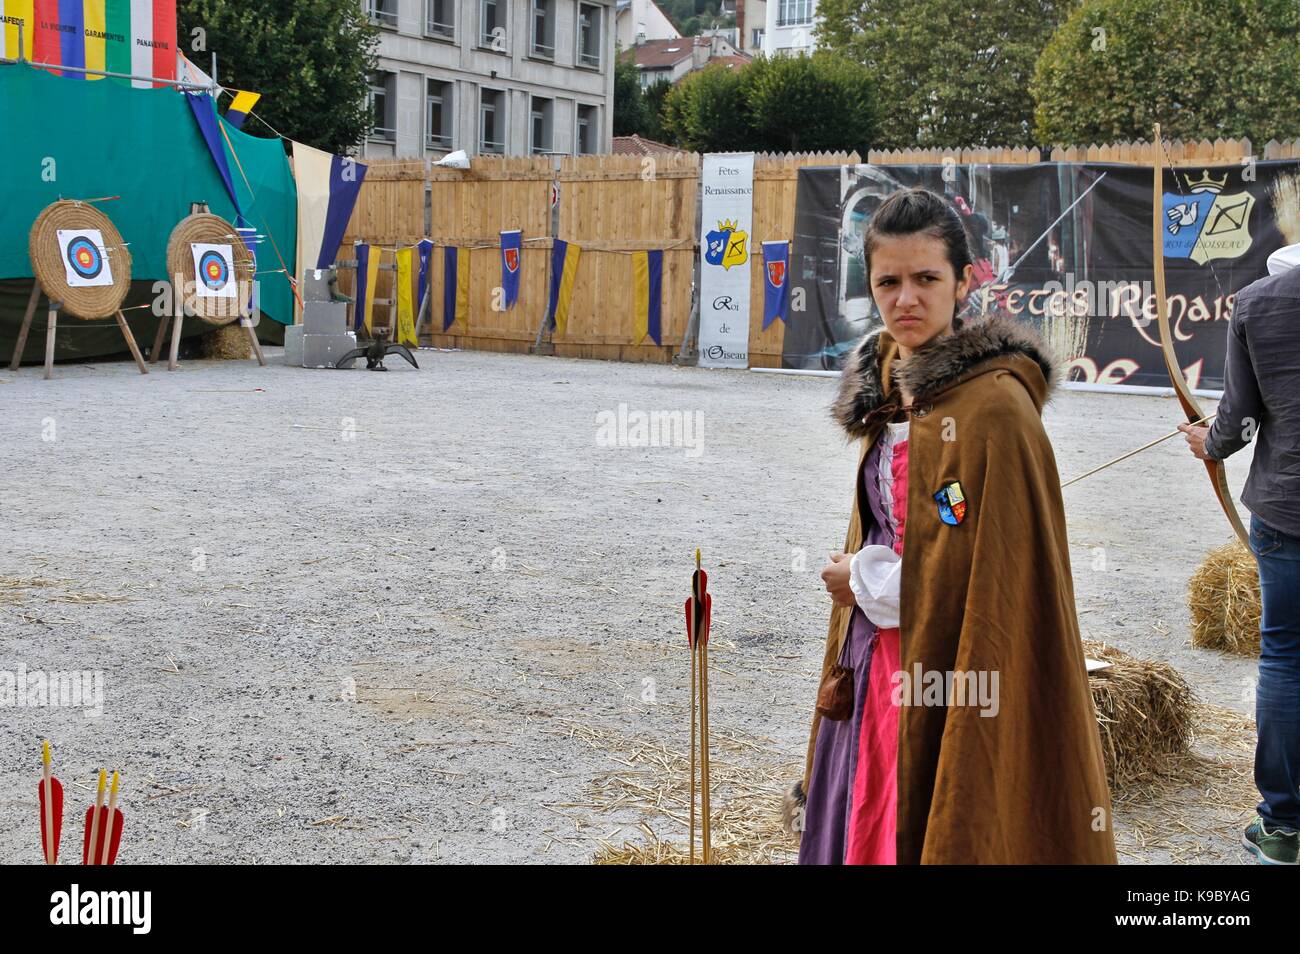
column 1218, row 474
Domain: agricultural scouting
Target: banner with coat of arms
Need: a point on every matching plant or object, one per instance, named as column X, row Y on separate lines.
column 727, row 214
column 1063, row 247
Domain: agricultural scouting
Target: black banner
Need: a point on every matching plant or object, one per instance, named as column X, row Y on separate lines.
column 301, row 906
column 1063, row 246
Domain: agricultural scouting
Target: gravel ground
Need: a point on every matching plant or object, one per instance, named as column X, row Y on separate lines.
column 356, row 617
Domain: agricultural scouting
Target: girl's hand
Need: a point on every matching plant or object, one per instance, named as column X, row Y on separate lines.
column 836, row 577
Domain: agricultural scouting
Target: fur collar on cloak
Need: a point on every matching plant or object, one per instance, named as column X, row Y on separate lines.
column 934, row 369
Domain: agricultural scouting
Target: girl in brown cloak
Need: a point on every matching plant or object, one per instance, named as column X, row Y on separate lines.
column 954, row 721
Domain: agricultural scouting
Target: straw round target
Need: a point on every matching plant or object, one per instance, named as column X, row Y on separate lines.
column 79, row 258
column 214, row 266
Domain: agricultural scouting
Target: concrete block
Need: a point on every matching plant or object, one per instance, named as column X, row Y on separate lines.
column 316, row 288
column 325, row 317
column 324, row 351
column 293, row 346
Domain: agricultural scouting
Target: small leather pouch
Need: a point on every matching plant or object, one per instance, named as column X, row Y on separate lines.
column 835, row 696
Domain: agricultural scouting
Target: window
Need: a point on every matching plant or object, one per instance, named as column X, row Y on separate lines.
column 544, row 28
column 795, row 12
column 440, row 19
column 492, row 25
column 439, row 113
column 540, row 112
column 587, row 129
column 383, row 12
column 382, row 106
column 588, row 35
column 757, row 42
column 492, row 121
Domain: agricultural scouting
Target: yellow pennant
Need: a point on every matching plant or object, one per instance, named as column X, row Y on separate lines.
column 640, row 295
column 405, row 311
column 462, row 287
column 568, row 277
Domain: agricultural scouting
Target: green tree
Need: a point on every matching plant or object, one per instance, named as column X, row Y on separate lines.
column 630, row 115
column 654, row 97
column 309, row 59
column 809, row 104
column 953, row 72
column 706, row 112
column 1202, row 68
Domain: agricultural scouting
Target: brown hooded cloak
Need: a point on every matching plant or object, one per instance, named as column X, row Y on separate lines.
column 991, row 594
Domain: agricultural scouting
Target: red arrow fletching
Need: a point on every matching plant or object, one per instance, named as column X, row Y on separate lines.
column 57, row 792
column 90, row 854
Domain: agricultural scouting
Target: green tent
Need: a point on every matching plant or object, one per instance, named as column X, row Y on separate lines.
column 83, row 139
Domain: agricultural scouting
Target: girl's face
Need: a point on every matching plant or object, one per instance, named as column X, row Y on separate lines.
column 913, row 285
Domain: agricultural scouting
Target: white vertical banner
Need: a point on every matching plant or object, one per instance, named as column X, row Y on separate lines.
column 726, row 218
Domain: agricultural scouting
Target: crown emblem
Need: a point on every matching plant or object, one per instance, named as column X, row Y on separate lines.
column 1206, row 183
column 728, row 225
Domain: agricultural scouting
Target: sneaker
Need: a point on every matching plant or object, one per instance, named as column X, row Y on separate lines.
column 1276, row 847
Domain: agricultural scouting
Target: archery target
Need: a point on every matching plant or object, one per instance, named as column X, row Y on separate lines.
column 214, row 272
column 85, row 260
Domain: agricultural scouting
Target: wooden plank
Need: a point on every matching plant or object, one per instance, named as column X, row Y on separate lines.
column 51, row 322
column 130, row 342
column 26, row 326
column 177, row 320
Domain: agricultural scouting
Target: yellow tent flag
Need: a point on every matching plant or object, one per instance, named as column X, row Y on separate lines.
column 93, row 32
column 405, row 311
column 16, row 12
column 372, row 286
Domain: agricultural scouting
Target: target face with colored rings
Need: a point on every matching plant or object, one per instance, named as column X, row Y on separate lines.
column 84, row 261
column 84, row 258
column 214, row 271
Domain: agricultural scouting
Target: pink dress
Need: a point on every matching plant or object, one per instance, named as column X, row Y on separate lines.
column 873, row 816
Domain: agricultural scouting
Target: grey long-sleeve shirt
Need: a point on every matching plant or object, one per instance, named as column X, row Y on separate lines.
column 1261, row 397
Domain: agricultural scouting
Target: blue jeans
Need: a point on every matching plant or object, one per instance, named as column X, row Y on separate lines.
column 1277, row 695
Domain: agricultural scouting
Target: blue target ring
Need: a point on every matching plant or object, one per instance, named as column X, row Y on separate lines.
column 214, row 270
column 84, row 257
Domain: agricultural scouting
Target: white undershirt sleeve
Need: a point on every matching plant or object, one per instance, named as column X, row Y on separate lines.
column 875, row 574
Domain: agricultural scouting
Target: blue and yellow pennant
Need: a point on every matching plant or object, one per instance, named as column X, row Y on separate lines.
column 564, row 273
column 647, row 294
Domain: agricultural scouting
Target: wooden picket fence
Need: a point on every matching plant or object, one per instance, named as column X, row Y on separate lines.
column 609, row 206
column 1176, row 152
column 612, row 205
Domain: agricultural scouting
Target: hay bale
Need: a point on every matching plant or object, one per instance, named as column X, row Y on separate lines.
column 1223, row 596
column 227, row 343
column 1144, row 709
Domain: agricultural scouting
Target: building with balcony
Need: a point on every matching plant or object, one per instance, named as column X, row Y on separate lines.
column 508, row 77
